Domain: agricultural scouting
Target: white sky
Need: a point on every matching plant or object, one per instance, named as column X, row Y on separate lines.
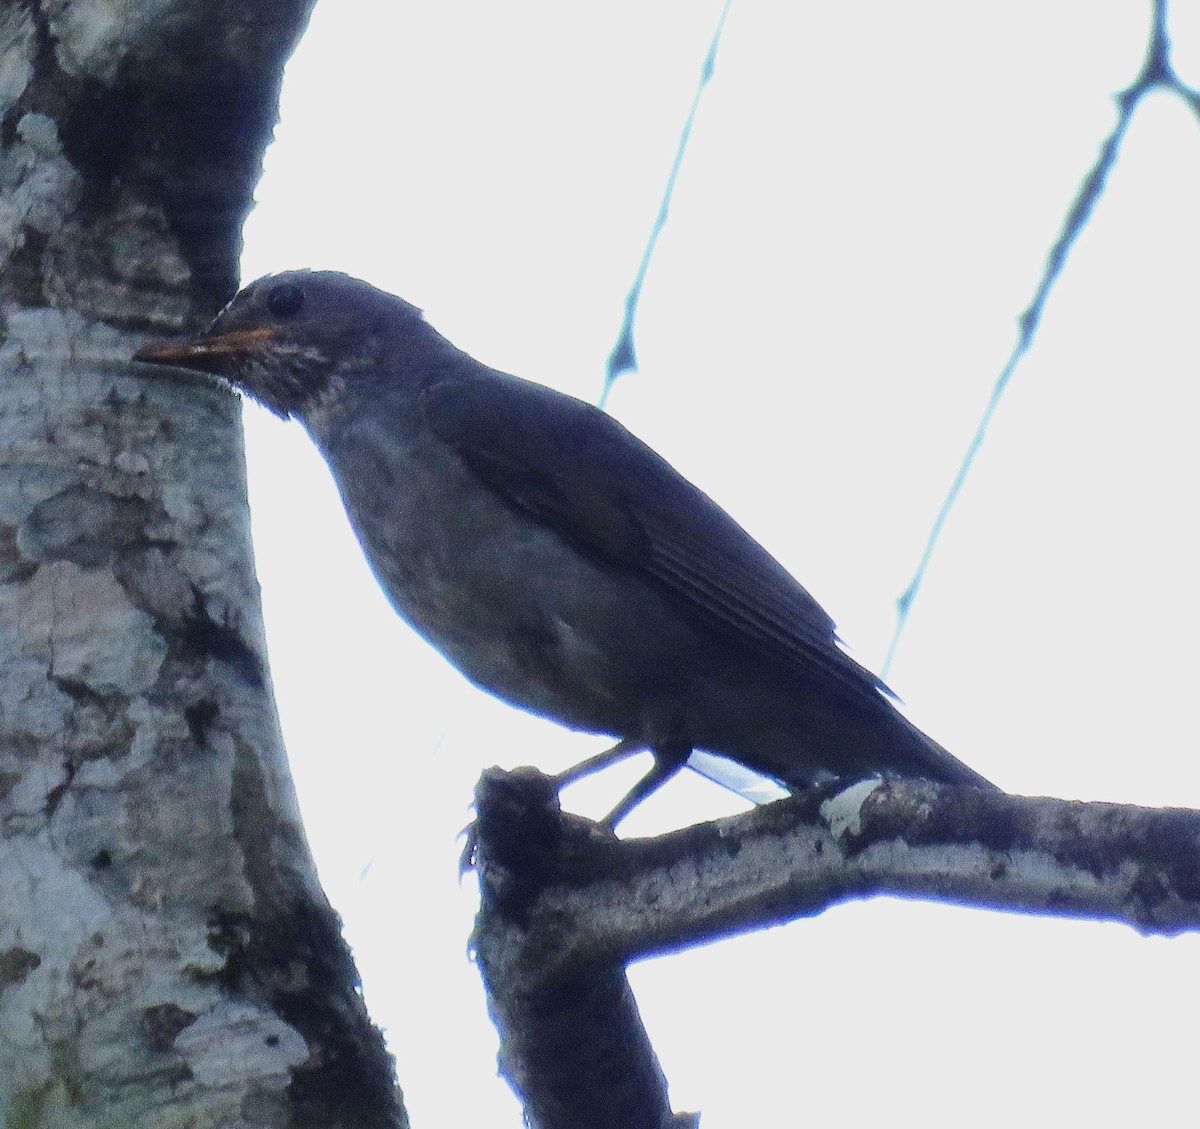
column 865, row 209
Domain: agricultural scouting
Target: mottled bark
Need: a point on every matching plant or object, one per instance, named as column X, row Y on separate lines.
column 166, row 954
column 572, row 1044
column 566, row 906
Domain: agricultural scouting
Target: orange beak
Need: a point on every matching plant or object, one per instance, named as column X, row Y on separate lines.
column 193, row 353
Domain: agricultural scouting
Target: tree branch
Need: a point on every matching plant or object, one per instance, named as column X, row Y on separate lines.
column 1157, row 73
column 566, row 905
column 572, row 1044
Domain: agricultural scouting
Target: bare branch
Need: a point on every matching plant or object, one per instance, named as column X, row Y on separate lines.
column 623, row 357
column 572, row 1044
column 1157, row 73
column 566, row 905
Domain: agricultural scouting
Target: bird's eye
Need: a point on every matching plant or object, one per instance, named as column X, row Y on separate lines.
column 285, row 300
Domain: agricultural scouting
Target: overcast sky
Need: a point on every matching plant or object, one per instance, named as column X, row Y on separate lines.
column 864, row 211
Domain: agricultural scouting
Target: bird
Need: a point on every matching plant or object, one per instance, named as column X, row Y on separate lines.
column 549, row 554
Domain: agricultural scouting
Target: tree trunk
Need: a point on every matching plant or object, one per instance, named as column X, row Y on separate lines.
column 166, row 954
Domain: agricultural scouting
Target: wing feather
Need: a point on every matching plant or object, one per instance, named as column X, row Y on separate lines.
column 579, row 471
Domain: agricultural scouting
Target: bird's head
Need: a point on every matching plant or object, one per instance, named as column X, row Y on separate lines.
column 289, row 339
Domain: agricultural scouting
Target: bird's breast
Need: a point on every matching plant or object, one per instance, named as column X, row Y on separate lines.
column 517, row 609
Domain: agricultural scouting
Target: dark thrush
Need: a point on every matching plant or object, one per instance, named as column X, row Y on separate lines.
column 552, row 556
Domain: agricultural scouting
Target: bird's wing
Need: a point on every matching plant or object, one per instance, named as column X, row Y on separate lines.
column 577, row 470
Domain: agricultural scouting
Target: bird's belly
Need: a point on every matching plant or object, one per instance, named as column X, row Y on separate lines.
column 559, row 643
column 543, row 624
column 519, row 610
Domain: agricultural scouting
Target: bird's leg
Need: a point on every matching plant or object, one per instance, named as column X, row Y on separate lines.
column 622, row 749
column 668, row 760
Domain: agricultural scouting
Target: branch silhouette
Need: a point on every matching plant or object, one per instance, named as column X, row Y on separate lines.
column 623, row 357
column 1157, row 73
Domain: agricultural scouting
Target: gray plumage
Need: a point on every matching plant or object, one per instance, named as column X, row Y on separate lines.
column 549, row 554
